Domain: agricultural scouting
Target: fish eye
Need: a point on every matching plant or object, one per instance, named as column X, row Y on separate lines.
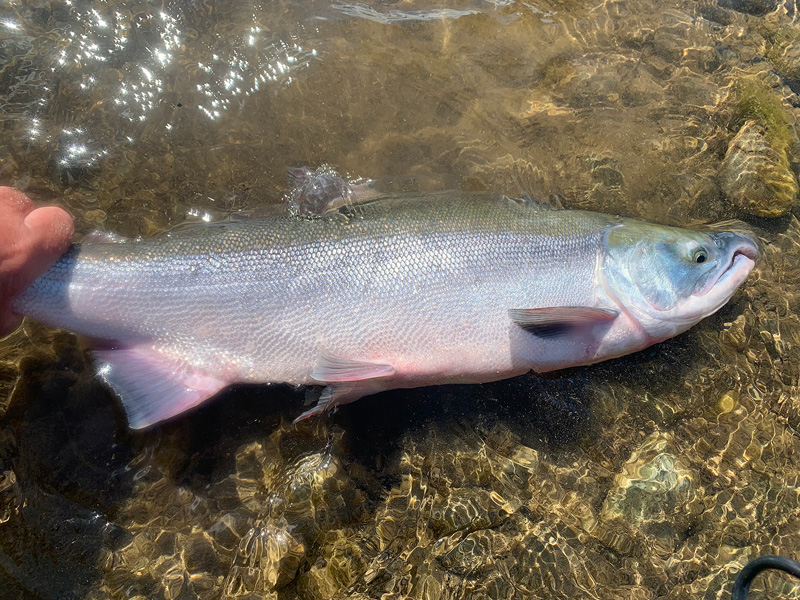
column 699, row 256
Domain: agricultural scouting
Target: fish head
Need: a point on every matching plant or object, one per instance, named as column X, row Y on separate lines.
column 670, row 278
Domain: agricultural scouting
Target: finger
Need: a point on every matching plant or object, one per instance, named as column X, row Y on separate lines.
column 14, row 205
column 50, row 229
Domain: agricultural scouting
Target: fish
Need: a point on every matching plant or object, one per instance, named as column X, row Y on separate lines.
column 401, row 291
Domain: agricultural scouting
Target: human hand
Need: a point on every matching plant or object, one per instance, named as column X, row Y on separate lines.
column 31, row 239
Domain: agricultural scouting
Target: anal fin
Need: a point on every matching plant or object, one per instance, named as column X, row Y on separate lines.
column 151, row 388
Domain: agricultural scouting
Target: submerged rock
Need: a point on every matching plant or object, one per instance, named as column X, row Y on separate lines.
column 340, row 564
column 653, row 482
column 652, row 494
column 756, row 8
column 267, row 558
column 756, row 175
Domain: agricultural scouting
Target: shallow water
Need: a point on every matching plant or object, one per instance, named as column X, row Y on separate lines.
column 654, row 476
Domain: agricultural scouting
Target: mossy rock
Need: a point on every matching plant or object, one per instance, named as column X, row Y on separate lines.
column 756, row 175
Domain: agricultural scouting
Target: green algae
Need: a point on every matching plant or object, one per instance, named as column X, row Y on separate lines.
column 757, row 174
column 755, row 100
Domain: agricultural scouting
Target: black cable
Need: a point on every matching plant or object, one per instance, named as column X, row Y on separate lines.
column 742, row 584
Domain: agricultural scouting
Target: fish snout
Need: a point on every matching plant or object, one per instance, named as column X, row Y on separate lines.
column 735, row 243
column 738, row 252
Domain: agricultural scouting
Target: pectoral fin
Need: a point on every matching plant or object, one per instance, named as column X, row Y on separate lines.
column 150, row 388
column 560, row 320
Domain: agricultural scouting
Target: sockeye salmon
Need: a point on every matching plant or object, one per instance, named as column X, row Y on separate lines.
column 404, row 291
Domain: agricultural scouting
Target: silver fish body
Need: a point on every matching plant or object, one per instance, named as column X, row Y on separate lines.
column 405, row 291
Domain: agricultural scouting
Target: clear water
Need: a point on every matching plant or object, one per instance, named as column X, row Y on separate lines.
column 654, row 476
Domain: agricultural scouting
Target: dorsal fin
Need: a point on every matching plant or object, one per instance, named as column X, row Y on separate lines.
column 316, row 192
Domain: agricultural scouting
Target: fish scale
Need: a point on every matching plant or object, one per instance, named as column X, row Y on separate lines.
column 408, row 290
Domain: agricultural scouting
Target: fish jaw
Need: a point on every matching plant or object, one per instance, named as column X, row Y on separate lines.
column 724, row 287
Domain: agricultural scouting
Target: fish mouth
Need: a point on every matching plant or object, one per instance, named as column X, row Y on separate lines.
column 741, row 263
column 743, row 257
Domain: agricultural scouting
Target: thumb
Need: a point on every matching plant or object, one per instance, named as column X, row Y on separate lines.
column 51, row 231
